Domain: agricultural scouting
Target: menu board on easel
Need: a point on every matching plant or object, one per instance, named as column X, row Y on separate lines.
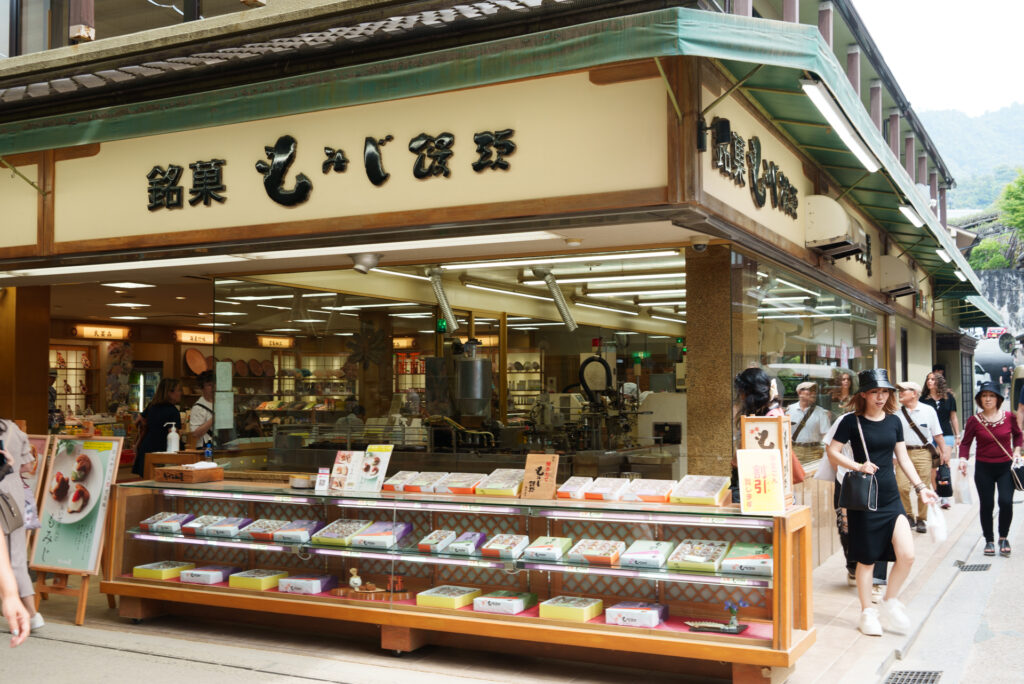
column 771, row 432
column 73, row 513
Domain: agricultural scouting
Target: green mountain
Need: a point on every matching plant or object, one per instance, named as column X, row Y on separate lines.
column 982, row 152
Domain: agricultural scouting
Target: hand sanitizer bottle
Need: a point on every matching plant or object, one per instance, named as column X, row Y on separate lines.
column 173, row 439
column 208, row 452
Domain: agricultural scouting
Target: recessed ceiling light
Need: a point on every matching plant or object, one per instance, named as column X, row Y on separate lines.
column 180, row 297
column 344, row 334
column 308, row 320
column 128, row 318
column 284, row 330
column 127, row 285
column 128, row 305
column 216, row 325
column 229, row 313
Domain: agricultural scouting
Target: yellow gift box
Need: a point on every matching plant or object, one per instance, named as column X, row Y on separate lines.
column 447, row 596
column 162, row 570
column 573, row 608
column 256, row 579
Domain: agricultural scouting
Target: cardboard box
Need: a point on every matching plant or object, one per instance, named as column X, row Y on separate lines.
column 459, row 483
column 597, row 551
column 424, row 482
column 172, row 524
column 447, row 596
column 646, row 554
column 297, row 531
column 654, row 491
column 262, row 529
column 704, row 555
column 547, row 548
column 574, row 608
column 747, row 558
column 504, row 602
column 501, row 482
column 636, row 614
column 382, row 535
column 208, row 574
column 161, row 570
column 228, row 527
column 437, row 541
column 703, row 490
column 340, row 532
column 606, row 489
column 306, row 584
column 256, row 579
column 467, row 543
column 575, row 487
column 187, row 475
column 507, row 546
column 198, row 525
column 397, row 482
column 155, row 518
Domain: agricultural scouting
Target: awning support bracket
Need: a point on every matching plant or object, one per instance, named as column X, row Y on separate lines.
column 22, row 176
column 732, row 89
column 668, row 87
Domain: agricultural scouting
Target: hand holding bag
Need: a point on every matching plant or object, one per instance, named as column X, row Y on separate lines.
column 944, row 481
column 937, row 523
column 859, row 490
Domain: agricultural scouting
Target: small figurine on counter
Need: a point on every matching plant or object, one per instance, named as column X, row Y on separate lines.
column 355, row 581
column 67, row 387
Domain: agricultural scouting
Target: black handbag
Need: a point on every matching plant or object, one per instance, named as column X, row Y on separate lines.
column 1017, row 473
column 944, row 481
column 859, row 491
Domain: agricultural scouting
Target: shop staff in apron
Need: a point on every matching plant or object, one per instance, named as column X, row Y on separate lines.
column 200, row 421
column 810, row 424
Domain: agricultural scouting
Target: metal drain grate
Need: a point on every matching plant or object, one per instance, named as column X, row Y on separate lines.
column 914, row 677
column 972, row 567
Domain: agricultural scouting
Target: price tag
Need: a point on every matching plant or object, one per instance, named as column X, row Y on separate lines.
column 577, row 570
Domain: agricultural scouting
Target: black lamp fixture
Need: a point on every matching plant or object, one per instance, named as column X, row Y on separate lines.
column 721, row 127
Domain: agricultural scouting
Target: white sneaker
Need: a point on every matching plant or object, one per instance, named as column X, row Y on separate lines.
column 894, row 616
column 877, row 592
column 869, row 624
column 37, row 622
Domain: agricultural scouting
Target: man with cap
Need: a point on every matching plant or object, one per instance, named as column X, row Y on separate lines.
column 920, row 428
column 810, row 424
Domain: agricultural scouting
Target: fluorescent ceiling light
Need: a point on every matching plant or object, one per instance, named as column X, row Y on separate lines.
column 943, row 255
column 344, row 334
column 560, row 260
column 660, row 337
column 399, row 273
column 829, row 108
column 407, row 244
column 284, row 330
column 129, row 305
column 229, row 282
column 352, row 307
column 507, row 292
column 127, row 285
column 661, row 303
column 129, row 265
column 412, row 315
column 625, row 332
column 308, row 320
column 960, row 274
column 670, row 320
column 637, row 293
column 225, row 301
column 533, row 325
column 272, row 306
column 607, row 308
column 518, row 318
column 777, row 309
column 911, row 215
column 215, row 325
column 267, row 298
column 229, row 313
column 528, row 327
column 128, row 318
column 419, row 331
column 780, row 281
column 562, row 280
column 784, row 299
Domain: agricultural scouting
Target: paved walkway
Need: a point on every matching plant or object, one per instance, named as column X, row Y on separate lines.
column 967, row 624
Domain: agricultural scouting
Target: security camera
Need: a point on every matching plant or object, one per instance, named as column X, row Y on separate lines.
column 364, row 262
column 699, row 243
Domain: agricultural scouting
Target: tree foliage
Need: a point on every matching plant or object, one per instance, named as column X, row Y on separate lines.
column 1011, row 204
column 989, row 254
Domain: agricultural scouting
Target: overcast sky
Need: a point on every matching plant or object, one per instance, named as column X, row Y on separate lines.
column 950, row 54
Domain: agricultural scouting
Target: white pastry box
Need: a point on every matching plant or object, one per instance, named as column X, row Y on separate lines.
column 306, row 584
column 208, row 574
column 606, row 489
column 636, row 614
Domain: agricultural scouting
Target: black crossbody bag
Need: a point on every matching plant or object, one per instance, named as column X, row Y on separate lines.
column 859, row 491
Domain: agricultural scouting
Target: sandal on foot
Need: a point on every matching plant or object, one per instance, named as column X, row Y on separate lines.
column 1004, row 548
column 990, row 549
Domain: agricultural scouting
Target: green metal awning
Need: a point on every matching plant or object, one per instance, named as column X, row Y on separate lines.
column 783, row 53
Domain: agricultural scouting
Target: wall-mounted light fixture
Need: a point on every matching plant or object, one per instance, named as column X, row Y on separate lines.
column 911, row 215
column 960, row 274
column 721, row 127
column 943, row 255
column 364, row 262
column 829, row 108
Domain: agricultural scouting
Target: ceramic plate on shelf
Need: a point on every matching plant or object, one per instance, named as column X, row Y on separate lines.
column 210, row 361
column 255, row 368
column 195, row 361
column 518, row 366
column 268, row 368
column 241, row 369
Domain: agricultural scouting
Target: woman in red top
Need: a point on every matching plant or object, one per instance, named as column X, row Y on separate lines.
column 999, row 439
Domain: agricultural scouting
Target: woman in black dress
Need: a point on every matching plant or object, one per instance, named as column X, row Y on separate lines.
column 153, row 428
column 882, row 534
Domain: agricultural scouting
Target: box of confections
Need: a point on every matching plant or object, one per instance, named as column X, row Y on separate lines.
column 502, row 482
column 297, row 531
column 504, row 602
column 606, row 489
column 597, row 551
column 575, row 608
column 172, row 524
column 228, row 527
column 340, row 532
column 423, row 482
column 698, row 554
column 748, row 558
column 397, row 482
column 161, row 569
column 705, row 490
column 256, row 579
column 636, row 614
column 447, row 596
column 645, row 553
column 382, row 535
column 198, row 525
column 507, row 546
column 548, row 548
column 459, row 483
column 155, row 518
column 437, row 541
column 208, row 574
column 655, row 491
column 467, row 543
column 307, row 584
column 575, row 487
column 262, row 529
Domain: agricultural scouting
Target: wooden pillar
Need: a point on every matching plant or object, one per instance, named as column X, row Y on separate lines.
column 894, row 131
column 942, row 206
column 875, row 105
column 922, row 168
column 25, row 355
column 908, row 155
column 933, row 191
column 743, row 7
column 853, row 67
column 791, row 11
column 825, row 22
column 709, row 360
column 82, row 20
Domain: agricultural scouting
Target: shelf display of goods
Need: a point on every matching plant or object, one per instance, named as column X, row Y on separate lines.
column 698, row 554
column 572, row 608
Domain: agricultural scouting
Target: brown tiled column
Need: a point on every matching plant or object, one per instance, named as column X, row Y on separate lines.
column 25, row 355
column 709, row 361
column 875, row 106
column 825, row 22
column 853, row 67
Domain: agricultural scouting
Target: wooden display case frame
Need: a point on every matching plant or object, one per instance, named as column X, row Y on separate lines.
column 407, row 627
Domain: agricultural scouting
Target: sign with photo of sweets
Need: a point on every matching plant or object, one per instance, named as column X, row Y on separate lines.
column 540, row 474
column 74, row 506
column 361, row 471
column 760, row 479
column 771, row 432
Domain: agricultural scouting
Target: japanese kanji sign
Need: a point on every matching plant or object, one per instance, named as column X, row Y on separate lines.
column 760, row 479
column 539, row 480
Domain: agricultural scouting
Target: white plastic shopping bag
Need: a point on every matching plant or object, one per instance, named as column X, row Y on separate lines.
column 937, row 523
column 963, row 485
